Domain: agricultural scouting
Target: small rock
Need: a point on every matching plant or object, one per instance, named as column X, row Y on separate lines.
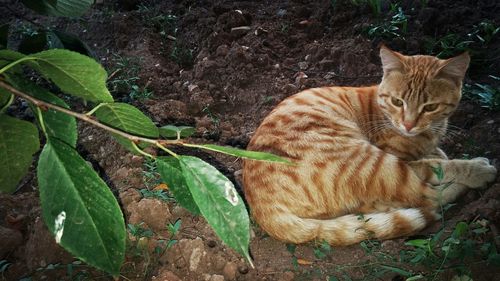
column 303, row 65
column 222, row 51
column 166, row 275
column 211, row 243
column 192, row 87
column 243, row 269
column 128, row 196
column 290, row 88
column 230, row 270
column 153, row 212
column 216, row 277
column 300, row 77
column 287, row 276
column 490, row 122
column 193, row 251
column 121, row 173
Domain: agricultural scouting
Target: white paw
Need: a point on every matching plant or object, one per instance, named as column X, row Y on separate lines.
column 481, row 172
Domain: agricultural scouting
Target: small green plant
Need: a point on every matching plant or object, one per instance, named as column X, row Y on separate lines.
column 156, row 194
column 475, row 41
column 467, row 241
column 4, row 265
column 397, row 27
column 486, row 95
column 448, row 45
column 150, row 174
column 125, row 76
column 484, row 32
column 182, row 54
column 138, row 231
column 322, row 250
column 136, row 93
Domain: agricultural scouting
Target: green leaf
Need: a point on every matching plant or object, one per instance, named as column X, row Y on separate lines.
column 170, row 131
column 64, row 8
column 171, row 173
column 219, row 203
column 74, row 74
column 418, row 243
column 5, row 99
column 127, row 118
column 416, row 277
column 255, row 155
column 460, row 229
column 397, row 270
column 8, row 56
column 60, row 40
column 57, row 124
column 18, row 142
column 4, row 35
column 34, row 43
column 79, row 209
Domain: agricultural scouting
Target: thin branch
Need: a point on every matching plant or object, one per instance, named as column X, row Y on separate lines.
column 86, row 118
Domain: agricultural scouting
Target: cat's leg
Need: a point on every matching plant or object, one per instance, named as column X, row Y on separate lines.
column 438, row 153
column 453, row 177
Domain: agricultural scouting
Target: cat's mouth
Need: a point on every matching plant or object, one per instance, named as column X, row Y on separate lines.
column 406, row 133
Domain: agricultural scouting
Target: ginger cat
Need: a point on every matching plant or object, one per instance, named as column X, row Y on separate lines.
column 364, row 156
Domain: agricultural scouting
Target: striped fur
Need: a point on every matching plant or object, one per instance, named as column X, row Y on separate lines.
column 363, row 162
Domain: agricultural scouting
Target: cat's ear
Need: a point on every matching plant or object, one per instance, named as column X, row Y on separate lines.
column 454, row 68
column 391, row 60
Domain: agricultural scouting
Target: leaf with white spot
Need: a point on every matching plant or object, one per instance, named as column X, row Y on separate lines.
column 171, row 173
column 91, row 227
column 218, row 202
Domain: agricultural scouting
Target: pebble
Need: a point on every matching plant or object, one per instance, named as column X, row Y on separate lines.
column 230, row 270
column 211, row 243
column 243, row 269
column 303, row 65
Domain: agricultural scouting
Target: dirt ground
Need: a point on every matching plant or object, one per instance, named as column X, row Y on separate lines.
column 221, row 66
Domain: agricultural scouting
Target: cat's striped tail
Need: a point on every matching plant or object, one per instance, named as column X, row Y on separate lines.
column 350, row 229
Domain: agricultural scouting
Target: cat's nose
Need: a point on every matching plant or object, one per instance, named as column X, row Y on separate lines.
column 409, row 125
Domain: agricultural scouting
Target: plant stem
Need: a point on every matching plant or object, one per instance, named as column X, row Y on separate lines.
column 86, row 118
column 9, row 102
column 40, row 119
column 94, row 109
column 14, row 63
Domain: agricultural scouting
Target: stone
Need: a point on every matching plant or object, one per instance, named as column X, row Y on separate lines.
column 230, row 270
column 287, row 276
column 166, row 275
column 121, row 173
column 243, row 269
column 153, row 212
column 194, row 253
column 129, row 196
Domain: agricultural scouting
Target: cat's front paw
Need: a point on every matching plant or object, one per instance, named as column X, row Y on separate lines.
column 481, row 172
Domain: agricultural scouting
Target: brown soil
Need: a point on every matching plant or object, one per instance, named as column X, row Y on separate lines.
column 246, row 57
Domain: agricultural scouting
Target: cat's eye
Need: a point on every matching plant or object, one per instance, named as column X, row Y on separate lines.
column 396, row 102
column 430, row 107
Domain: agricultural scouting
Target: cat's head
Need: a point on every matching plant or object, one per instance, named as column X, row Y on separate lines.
column 418, row 92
